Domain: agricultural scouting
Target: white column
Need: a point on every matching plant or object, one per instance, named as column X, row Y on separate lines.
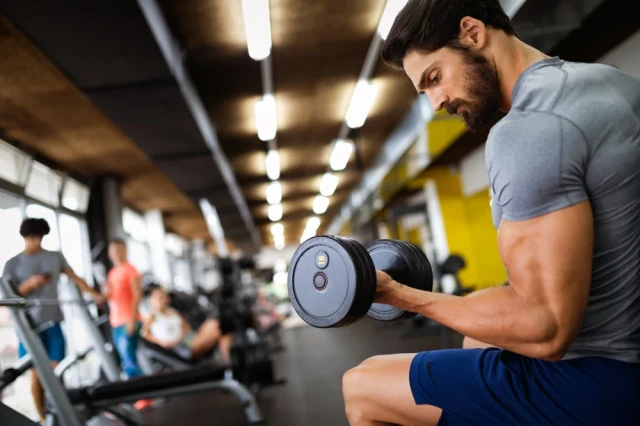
column 159, row 258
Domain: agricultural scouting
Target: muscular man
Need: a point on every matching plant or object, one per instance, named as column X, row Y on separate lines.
column 34, row 273
column 564, row 167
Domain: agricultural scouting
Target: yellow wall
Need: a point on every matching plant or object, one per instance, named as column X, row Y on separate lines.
column 469, row 230
column 484, row 241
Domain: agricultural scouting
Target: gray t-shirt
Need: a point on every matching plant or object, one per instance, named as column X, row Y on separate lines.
column 23, row 266
column 573, row 134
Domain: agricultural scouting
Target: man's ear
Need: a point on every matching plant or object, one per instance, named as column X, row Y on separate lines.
column 473, row 33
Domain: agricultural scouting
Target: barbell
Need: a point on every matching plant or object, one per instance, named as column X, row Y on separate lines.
column 332, row 279
column 19, row 302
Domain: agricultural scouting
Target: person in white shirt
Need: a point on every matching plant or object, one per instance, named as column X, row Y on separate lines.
column 166, row 327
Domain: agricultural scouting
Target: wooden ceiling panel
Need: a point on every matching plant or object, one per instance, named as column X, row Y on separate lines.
column 46, row 114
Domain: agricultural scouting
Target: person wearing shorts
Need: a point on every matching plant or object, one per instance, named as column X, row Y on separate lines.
column 34, row 274
column 561, row 342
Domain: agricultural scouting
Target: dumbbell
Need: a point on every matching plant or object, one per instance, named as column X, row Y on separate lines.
column 332, row 279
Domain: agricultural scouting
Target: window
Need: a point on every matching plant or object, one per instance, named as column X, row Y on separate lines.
column 44, row 184
column 138, row 254
column 13, row 164
column 72, row 248
column 10, row 218
column 51, row 241
column 134, row 225
column 75, row 196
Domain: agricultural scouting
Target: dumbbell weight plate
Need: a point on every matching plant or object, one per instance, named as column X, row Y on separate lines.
column 395, row 259
column 361, row 303
column 422, row 282
column 367, row 290
column 426, row 274
column 323, row 282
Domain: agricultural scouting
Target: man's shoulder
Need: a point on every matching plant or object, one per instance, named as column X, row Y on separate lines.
column 521, row 127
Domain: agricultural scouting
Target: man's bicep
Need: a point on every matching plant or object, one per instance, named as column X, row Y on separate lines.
column 549, row 262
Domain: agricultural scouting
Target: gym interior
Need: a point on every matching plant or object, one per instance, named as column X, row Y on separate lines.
column 213, row 138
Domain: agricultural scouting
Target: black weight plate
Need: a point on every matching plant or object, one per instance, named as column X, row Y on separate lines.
column 416, row 265
column 368, row 288
column 331, row 305
column 426, row 281
column 415, row 270
column 392, row 258
column 355, row 312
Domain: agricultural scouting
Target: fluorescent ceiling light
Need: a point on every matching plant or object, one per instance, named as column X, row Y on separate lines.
column 340, row 155
column 391, row 10
column 361, row 101
column 257, row 27
column 275, row 212
column 273, row 164
column 277, row 229
column 328, row 184
column 313, row 223
column 266, row 118
column 320, row 204
column 306, row 235
column 279, row 244
column 274, row 193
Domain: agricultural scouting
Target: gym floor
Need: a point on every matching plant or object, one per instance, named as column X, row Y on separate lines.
column 313, row 363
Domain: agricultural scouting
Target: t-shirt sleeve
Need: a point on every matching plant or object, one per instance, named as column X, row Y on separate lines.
column 536, row 164
column 8, row 273
column 63, row 262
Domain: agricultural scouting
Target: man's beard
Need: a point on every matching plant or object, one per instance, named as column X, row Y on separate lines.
column 482, row 90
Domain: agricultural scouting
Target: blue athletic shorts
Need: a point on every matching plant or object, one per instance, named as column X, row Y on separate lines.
column 497, row 387
column 53, row 341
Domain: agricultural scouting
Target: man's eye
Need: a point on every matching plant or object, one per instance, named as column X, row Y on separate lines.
column 435, row 78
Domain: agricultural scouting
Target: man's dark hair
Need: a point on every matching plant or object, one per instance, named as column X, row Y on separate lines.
column 118, row 241
column 34, row 228
column 429, row 25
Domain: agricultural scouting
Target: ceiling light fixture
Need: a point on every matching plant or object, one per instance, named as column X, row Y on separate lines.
column 273, row 164
column 313, row 223
column 277, row 229
column 266, row 118
column 320, row 204
column 328, row 184
column 361, row 101
column 340, row 155
column 275, row 212
column 257, row 27
column 274, row 192
column 391, row 10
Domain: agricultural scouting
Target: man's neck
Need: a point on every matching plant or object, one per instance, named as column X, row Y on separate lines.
column 120, row 262
column 32, row 250
column 511, row 57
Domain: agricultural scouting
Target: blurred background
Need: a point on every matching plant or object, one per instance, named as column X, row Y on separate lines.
column 200, row 129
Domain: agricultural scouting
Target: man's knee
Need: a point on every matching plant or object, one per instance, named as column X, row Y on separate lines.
column 355, row 380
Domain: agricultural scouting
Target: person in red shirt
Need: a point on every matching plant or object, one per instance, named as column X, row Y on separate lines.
column 124, row 292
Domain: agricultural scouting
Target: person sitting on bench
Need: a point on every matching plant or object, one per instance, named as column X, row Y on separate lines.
column 166, row 327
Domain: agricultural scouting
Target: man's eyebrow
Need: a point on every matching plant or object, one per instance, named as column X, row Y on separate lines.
column 423, row 77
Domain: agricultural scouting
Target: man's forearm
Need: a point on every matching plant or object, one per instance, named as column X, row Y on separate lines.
column 25, row 288
column 84, row 287
column 499, row 317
